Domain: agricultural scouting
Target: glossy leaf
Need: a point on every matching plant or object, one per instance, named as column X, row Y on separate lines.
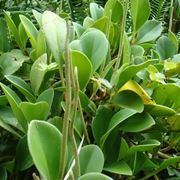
column 23, row 159
column 128, row 99
column 31, row 111
column 84, row 67
column 100, row 122
column 140, row 11
column 94, row 44
column 137, row 123
column 117, row 10
column 42, row 136
column 91, row 159
column 117, row 118
column 120, row 167
column 30, row 29
column 22, row 86
column 55, row 30
column 150, row 31
column 90, row 176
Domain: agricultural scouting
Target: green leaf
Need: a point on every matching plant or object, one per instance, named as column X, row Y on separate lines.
column 23, row 159
column 96, row 11
column 32, row 111
column 137, row 51
column 4, row 41
column 22, row 86
column 140, row 11
column 45, row 139
column 3, row 100
column 150, row 31
column 100, row 122
column 55, row 30
column 13, row 29
column 169, row 162
column 174, row 39
column 84, row 67
column 165, row 47
column 78, row 29
column 128, row 99
column 11, row 62
column 91, row 159
column 90, row 176
column 130, row 71
column 47, row 96
column 14, row 101
column 117, row 10
column 137, row 123
column 38, row 17
column 3, row 173
column 22, row 35
column 94, row 44
column 120, row 167
column 30, row 29
column 159, row 110
column 118, row 118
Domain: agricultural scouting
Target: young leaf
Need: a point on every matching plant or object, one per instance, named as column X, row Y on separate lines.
column 45, row 139
column 91, row 159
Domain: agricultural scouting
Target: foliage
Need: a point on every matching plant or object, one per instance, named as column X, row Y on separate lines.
column 89, row 100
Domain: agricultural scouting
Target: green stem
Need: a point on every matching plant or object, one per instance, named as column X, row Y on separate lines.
column 68, row 104
column 122, row 29
column 72, row 125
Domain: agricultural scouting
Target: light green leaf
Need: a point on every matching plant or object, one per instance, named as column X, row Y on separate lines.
column 169, row 162
column 174, row 39
column 55, row 30
column 22, row 35
column 137, row 123
column 38, row 17
column 31, row 111
column 140, row 11
column 30, row 29
column 137, row 51
column 45, row 139
column 91, row 159
column 120, row 167
column 96, row 11
column 78, row 29
column 98, row 176
column 150, row 31
column 22, row 86
column 94, row 44
column 84, row 67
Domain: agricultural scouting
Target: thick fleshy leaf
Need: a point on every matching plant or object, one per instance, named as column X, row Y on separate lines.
column 150, row 31
column 96, row 11
column 137, row 51
column 84, row 67
column 94, row 44
column 45, row 139
column 90, row 176
column 128, row 99
column 130, row 71
column 159, row 110
column 14, row 101
column 11, row 61
column 140, row 11
column 91, row 159
column 55, row 30
column 165, row 48
column 137, row 123
column 31, row 111
column 120, row 167
column 117, row 10
column 100, row 122
column 22, row 86
column 174, row 39
column 23, row 159
column 30, row 29
column 118, row 118
column 78, row 29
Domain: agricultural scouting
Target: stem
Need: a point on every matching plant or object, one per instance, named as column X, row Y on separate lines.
column 171, row 16
column 83, row 121
column 61, row 6
column 72, row 137
column 122, row 29
column 68, row 104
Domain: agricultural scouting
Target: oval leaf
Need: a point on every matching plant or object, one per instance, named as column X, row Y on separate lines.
column 98, row 176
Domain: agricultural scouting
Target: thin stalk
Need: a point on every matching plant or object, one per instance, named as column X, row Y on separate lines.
column 171, row 16
column 122, row 29
column 83, row 121
column 61, row 6
column 72, row 125
column 68, row 104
